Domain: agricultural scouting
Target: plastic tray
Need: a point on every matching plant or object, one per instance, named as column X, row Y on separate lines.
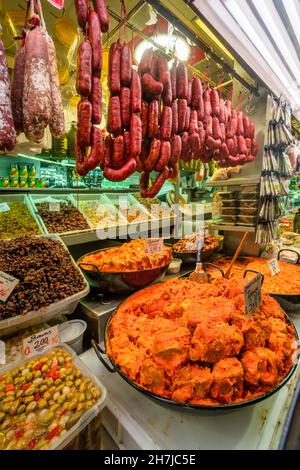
column 246, row 219
column 228, row 194
column 248, row 196
column 38, row 198
column 248, row 204
column 229, row 211
column 229, row 219
column 115, row 200
column 23, row 198
column 62, row 307
column 102, row 201
column 248, row 211
column 230, row 203
column 89, row 415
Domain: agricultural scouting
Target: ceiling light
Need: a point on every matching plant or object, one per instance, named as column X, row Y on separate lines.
column 293, row 12
column 245, row 24
column 214, row 38
column 182, row 49
column 272, row 21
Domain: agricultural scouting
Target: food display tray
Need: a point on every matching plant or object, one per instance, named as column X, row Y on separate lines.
column 114, row 199
column 25, row 199
column 90, row 414
column 103, row 201
column 39, row 198
column 62, row 307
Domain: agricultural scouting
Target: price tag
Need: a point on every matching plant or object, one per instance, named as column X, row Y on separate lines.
column 2, row 353
column 4, row 207
column 40, row 341
column 274, row 266
column 7, row 285
column 154, row 245
column 252, row 294
column 54, row 206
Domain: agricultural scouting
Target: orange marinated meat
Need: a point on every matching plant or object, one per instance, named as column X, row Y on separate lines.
column 193, row 343
column 130, row 256
column 286, row 282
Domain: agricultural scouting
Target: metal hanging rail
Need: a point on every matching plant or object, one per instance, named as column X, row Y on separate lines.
column 169, row 16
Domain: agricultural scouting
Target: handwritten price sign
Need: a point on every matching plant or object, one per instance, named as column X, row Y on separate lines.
column 40, row 341
column 54, row 206
column 7, row 285
column 274, row 266
column 252, row 294
column 154, row 245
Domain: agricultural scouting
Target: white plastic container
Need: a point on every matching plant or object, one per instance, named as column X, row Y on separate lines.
column 89, row 415
column 71, row 333
column 175, row 265
column 62, row 307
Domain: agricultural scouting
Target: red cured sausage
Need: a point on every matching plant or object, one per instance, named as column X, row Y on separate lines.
column 156, row 185
column 182, row 81
column 82, row 11
column 162, row 67
column 248, row 144
column 153, row 119
column 215, row 102
column 107, row 153
column 223, row 131
column 207, row 103
column 80, row 156
column 235, row 149
column 167, row 93
column 114, row 80
column 95, row 155
column 126, row 137
column 232, row 125
column 146, row 61
column 246, row 124
column 118, row 152
column 223, row 109
column 193, row 127
column 153, row 156
column 182, row 111
column 202, row 135
column 176, row 146
column 252, row 130
column 136, row 92
column 250, row 158
column 166, row 123
column 84, row 69
column 208, row 125
column 114, row 116
column 201, row 108
column 102, row 12
column 173, row 76
column 174, row 117
column 135, row 135
column 230, row 145
column 165, row 155
column 195, row 144
column 57, row 123
column 224, row 150
column 94, row 34
column 112, row 174
column 144, row 118
column 84, row 116
column 151, row 87
column 197, row 92
column 125, row 107
column 240, row 124
column 254, row 148
column 189, row 100
column 187, row 119
column 126, row 62
column 228, row 105
column 184, row 146
column 242, row 145
column 96, row 100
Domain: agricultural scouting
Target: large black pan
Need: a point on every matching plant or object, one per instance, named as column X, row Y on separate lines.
column 120, row 282
column 194, row 409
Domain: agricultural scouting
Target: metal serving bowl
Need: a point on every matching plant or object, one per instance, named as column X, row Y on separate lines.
column 118, row 282
column 194, row 409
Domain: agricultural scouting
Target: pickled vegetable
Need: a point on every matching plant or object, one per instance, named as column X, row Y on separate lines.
column 17, row 221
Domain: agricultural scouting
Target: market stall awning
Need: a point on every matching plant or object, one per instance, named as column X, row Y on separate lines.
column 266, row 35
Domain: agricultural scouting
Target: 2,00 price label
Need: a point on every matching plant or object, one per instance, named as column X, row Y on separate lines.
column 274, row 266
column 41, row 341
column 252, row 294
column 154, row 245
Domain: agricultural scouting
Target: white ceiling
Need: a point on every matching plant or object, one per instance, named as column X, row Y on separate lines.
column 266, row 34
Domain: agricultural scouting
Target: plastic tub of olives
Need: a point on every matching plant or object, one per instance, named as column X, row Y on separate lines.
column 68, row 433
